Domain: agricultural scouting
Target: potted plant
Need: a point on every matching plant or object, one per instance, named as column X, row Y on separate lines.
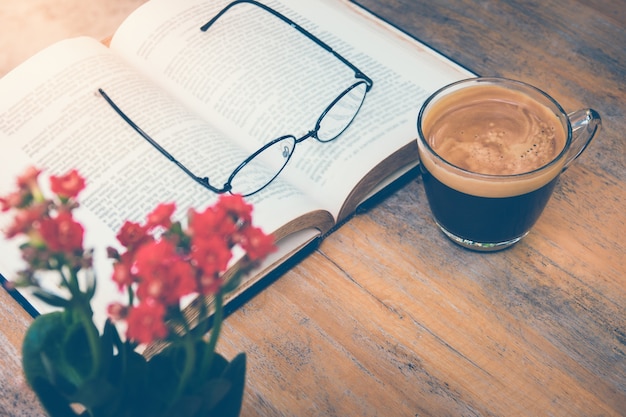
column 78, row 368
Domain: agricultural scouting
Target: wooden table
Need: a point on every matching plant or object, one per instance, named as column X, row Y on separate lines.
column 389, row 318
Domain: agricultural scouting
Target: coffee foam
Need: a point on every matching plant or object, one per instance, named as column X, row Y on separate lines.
column 492, row 130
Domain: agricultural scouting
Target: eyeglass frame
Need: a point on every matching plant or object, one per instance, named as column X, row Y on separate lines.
column 227, row 187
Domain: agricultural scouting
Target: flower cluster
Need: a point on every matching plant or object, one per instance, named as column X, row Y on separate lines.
column 70, row 362
column 55, row 238
column 162, row 262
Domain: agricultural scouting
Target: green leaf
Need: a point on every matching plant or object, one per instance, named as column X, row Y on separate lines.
column 57, row 364
column 76, row 354
column 220, row 391
column 235, row 373
column 96, row 393
column 59, row 345
column 213, row 392
column 108, row 341
column 42, row 359
column 43, row 339
column 55, row 403
column 124, row 392
column 51, row 299
column 136, row 384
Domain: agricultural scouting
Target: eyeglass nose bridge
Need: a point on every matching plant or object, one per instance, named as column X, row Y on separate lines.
column 353, row 105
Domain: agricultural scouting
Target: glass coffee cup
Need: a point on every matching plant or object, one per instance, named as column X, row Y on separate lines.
column 491, row 152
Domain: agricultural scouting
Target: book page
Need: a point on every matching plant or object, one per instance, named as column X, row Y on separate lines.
column 52, row 116
column 258, row 78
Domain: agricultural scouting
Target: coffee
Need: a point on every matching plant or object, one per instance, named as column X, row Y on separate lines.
column 493, row 130
column 491, row 152
column 503, row 151
column 489, row 220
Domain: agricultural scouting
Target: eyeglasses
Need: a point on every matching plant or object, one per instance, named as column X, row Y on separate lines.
column 259, row 169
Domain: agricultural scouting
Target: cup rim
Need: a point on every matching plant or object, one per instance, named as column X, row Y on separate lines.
column 494, row 80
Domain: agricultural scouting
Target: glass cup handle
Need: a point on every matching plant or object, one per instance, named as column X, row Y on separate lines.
column 586, row 124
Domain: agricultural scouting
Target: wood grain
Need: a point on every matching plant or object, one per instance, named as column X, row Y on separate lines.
column 389, row 318
column 17, row 400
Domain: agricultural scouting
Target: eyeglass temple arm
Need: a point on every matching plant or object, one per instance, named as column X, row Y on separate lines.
column 204, row 181
column 357, row 73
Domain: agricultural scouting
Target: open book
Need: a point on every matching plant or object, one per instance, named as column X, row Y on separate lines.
column 212, row 98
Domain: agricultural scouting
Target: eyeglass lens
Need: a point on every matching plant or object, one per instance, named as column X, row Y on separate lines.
column 248, row 178
column 260, row 169
column 263, row 166
column 341, row 112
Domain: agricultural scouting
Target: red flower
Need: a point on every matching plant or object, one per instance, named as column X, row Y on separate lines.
column 211, row 222
column 210, row 254
column 68, row 185
column 236, row 206
column 62, row 233
column 181, row 282
column 256, row 243
column 154, row 258
column 28, row 179
column 25, row 219
column 131, row 235
column 170, row 282
column 210, row 284
column 16, row 199
column 146, row 322
column 122, row 275
column 161, row 216
column 117, row 311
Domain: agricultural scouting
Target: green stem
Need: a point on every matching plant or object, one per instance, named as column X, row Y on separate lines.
column 190, row 361
column 131, row 295
column 74, row 284
column 218, row 317
column 65, row 280
column 81, row 303
column 94, row 344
